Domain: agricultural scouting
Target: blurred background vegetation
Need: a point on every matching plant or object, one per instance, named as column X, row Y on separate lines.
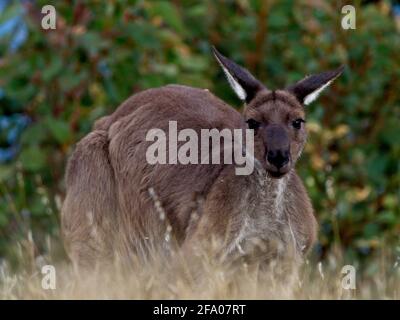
column 55, row 83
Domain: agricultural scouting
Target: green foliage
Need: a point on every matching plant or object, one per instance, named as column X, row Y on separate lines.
column 102, row 52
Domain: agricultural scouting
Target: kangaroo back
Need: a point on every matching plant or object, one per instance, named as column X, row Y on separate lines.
column 109, row 204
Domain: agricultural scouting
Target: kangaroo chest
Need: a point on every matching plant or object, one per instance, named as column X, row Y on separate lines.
column 265, row 223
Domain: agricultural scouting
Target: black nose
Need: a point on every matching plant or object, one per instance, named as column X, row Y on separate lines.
column 278, row 157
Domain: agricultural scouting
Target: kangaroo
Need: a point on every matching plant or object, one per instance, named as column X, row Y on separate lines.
column 118, row 204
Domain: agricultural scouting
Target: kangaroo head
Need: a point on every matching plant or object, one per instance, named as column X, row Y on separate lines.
column 276, row 116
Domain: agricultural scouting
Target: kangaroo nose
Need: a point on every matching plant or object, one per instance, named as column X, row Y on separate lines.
column 278, row 157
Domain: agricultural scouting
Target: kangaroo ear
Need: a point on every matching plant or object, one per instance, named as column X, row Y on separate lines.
column 240, row 79
column 308, row 89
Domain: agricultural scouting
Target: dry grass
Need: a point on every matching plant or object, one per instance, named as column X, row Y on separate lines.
column 198, row 277
column 203, row 278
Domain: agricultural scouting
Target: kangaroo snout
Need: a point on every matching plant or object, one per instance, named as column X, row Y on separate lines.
column 277, row 147
column 278, row 162
column 278, row 158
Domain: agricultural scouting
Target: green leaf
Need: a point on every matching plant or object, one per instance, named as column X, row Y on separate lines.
column 5, row 172
column 53, row 69
column 371, row 230
column 169, row 13
column 59, row 130
column 32, row 158
column 70, row 79
column 34, row 134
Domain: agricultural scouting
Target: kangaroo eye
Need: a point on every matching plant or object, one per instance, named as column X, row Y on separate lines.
column 253, row 124
column 297, row 123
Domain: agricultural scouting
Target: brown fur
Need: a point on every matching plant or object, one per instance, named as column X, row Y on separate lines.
column 119, row 205
column 108, row 208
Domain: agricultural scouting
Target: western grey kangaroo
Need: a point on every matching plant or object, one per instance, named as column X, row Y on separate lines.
column 119, row 204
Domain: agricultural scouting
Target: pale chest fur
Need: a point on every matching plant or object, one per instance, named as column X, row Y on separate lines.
column 266, row 222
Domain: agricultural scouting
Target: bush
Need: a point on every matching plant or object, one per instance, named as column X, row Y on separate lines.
column 100, row 54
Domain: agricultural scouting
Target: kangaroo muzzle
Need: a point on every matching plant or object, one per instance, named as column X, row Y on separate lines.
column 277, row 150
